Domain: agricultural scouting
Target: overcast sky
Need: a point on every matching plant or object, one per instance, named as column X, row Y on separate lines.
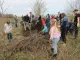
column 22, row 7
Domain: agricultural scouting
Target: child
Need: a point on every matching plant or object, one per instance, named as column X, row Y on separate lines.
column 55, row 35
column 71, row 27
column 45, row 31
column 52, row 17
column 43, row 22
column 8, row 30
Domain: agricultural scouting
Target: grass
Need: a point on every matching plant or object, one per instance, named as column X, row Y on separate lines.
column 35, row 46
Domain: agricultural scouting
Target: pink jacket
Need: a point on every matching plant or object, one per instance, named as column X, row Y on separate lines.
column 54, row 33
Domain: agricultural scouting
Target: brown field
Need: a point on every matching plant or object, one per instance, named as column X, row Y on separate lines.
column 35, row 46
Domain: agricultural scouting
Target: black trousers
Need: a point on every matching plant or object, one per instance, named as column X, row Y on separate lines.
column 67, row 30
column 76, row 32
column 9, row 36
column 63, row 33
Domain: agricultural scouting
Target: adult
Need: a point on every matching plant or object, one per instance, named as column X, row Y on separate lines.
column 22, row 22
column 76, row 22
column 59, row 17
column 16, row 21
column 38, row 25
column 48, row 21
column 31, row 17
column 64, row 27
column 26, row 22
column 39, row 18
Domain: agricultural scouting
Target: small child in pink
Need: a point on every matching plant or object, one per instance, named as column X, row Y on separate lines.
column 55, row 35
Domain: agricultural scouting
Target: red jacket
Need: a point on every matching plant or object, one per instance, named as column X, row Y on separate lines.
column 43, row 22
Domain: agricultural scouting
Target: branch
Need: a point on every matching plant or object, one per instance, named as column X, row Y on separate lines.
column 6, row 9
column 1, row 6
column 2, row 2
column 70, row 4
column 38, row 7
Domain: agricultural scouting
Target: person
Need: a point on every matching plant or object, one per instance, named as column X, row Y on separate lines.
column 31, row 17
column 52, row 17
column 22, row 22
column 39, row 18
column 8, row 30
column 64, row 27
column 39, row 24
column 48, row 15
column 26, row 22
column 76, row 22
column 43, row 22
column 16, row 21
column 70, row 27
column 48, row 21
column 59, row 17
column 22, row 17
column 55, row 35
column 67, row 28
column 45, row 31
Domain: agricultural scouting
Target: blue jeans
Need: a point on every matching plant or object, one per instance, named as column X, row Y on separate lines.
column 54, row 44
column 9, row 36
column 48, row 25
column 16, row 22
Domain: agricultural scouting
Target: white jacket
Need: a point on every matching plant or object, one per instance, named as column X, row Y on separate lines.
column 7, row 28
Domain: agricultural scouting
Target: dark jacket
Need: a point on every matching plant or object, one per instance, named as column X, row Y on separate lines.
column 26, row 19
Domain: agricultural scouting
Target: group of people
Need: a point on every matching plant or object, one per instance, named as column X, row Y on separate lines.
column 59, row 31
column 56, row 27
column 27, row 20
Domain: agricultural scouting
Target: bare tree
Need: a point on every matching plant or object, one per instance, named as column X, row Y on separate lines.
column 39, row 7
column 73, row 4
column 1, row 7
